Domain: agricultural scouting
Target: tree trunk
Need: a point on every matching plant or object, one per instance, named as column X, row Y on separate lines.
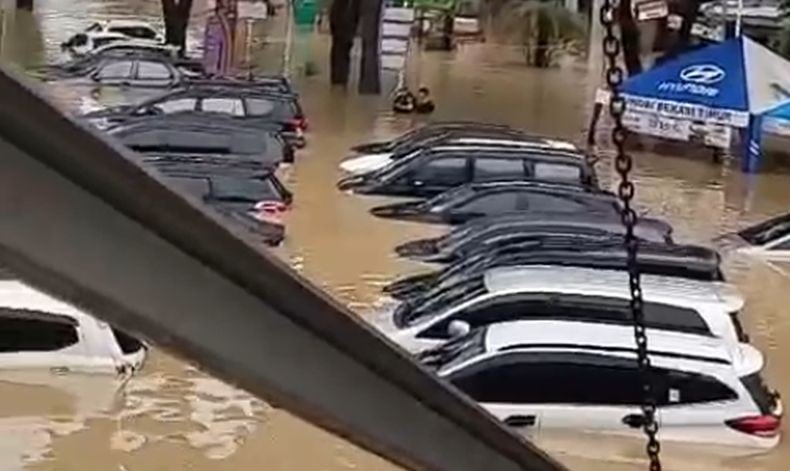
column 689, row 11
column 370, row 22
column 24, row 4
column 343, row 19
column 542, row 36
column 176, row 15
column 629, row 34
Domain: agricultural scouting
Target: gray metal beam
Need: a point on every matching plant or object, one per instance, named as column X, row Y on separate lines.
column 80, row 220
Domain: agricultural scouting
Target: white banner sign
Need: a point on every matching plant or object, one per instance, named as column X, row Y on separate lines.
column 691, row 112
column 713, row 135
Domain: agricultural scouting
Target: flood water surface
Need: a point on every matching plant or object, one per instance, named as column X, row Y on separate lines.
column 172, row 416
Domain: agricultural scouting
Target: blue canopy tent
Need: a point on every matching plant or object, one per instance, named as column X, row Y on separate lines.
column 731, row 83
column 777, row 120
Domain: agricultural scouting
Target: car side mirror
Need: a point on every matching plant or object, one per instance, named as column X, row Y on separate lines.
column 458, row 328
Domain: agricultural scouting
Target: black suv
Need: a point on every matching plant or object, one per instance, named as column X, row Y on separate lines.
column 270, row 110
column 683, row 261
column 461, row 204
column 437, row 169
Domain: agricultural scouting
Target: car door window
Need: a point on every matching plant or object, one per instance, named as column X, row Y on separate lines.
column 176, row 105
column 115, row 70
column 493, row 169
column 442, row 171
column 231, row 106
column 23, row 330
column 526, row 378
column 490, row 203
column 134, row 32
column 557, row 172
column 570, row 307
column 153, row 71
column 680, row 387
column 259, row 107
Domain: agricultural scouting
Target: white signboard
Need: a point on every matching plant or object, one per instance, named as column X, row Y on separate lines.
column 659, row 126
column 711, row 134
column 650, row 10
column 395, row 35
column 252, row 10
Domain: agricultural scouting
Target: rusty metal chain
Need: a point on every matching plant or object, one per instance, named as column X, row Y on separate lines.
column 625, row 191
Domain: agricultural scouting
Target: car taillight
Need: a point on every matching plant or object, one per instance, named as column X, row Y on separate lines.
column 270, row 211
column 765, row 426
column 299, row 123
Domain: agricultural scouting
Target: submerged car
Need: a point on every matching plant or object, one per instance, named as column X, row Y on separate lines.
column 199, row 133
column 509, row 293
column 134, row 76
column 683, row 261
column 551, row 230
column 420, row 134
column 40, row 332
column 251, row 106
column 469, row 137
column 462, row 204
column 84, row 43
column 437, row 169
column 769, row 239
column 257, row 204
column 706, row 390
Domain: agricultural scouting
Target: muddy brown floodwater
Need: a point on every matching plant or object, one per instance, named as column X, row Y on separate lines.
column 172, row 416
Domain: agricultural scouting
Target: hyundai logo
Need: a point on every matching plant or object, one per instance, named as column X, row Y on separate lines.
column 703, row 73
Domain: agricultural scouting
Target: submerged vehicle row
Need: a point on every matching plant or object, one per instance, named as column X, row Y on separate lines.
column 531, row 315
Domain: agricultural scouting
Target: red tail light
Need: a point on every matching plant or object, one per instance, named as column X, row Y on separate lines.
column 765, row 426
column 299, row 123
column 270, row 211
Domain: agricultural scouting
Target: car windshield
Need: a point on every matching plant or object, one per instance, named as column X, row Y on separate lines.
column 243, row 189
column 767, row 231
column 455, row 351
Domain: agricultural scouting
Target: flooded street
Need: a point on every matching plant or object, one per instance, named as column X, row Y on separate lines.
column 171, row 416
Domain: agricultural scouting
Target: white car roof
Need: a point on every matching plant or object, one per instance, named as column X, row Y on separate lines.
column 126, row 23
column 509, row 141
column 617, row 339
column 15, row 294
column 611, row 283
column 105, row 34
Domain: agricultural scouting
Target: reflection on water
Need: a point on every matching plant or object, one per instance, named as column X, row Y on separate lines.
column 174, row 417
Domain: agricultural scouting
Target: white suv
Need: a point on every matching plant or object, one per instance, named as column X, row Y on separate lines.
column 41, row 332
column 571, row 293
column 553, row 375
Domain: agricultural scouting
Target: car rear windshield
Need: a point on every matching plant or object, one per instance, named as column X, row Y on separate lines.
column 413, row 312
column 455, row 351
column 767, row 231
column 763, row 397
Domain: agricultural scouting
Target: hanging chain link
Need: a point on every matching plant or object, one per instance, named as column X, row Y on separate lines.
column 623, row 165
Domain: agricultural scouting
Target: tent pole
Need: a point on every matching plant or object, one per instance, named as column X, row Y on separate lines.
column 739, row 19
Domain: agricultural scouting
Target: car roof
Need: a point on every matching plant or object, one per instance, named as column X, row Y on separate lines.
column 104, row 34
column 536, row 153
column 531, row 185
column 126, row 23
column 567, row 222
column 611, row 283
column 685, row 261
column 134, row 43
column 484, row 138
column 15, row 294
column 602, row 338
